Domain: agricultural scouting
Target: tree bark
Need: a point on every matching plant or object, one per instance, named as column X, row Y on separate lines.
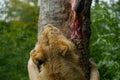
column 57, row 13
column 83, row 43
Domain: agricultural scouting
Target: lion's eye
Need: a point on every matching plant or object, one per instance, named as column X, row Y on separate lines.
column 41, row 62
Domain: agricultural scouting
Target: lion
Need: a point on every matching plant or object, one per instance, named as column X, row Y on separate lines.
column 55, row 55
column 56, row 58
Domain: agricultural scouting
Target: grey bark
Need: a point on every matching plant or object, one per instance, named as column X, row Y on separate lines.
column 57, row 13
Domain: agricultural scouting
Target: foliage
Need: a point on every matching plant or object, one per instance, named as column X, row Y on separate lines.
column 18, row 34
column 105, row 40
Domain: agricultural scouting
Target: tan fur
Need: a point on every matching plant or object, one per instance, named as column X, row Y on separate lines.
column 57, row 59
column 56, row 56
column 94, row 71
column 33, row 70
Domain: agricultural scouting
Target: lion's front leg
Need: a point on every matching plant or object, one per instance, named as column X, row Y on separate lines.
column 33, row 70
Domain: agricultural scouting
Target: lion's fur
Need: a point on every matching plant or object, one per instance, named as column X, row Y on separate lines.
column 56, row 56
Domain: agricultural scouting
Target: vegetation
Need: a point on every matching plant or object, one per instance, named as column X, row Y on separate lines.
column 105, row 39
column 18, row 34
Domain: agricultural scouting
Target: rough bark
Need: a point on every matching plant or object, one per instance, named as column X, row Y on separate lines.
column 57, row 13
column 83, row 43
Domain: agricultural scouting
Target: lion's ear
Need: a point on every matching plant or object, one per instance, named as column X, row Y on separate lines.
column 66, row 47
column 64, row 50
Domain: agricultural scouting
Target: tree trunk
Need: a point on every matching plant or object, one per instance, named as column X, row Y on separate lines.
column 57, row 13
